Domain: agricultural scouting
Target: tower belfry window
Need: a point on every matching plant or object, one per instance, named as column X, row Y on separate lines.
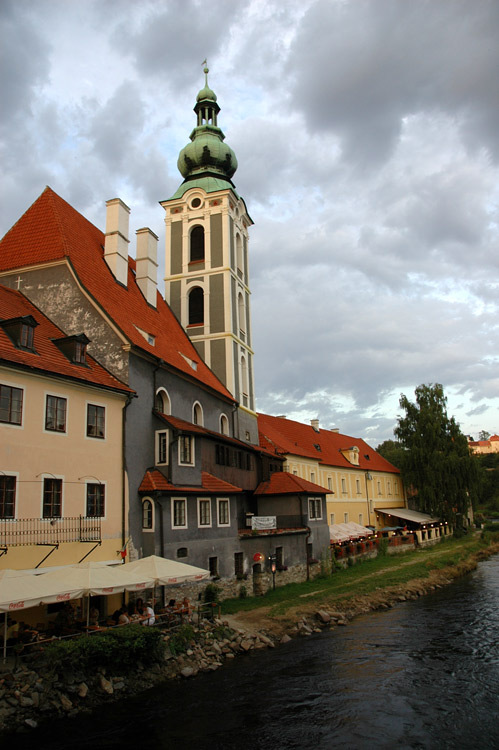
column 196, row 244
column 196, row 306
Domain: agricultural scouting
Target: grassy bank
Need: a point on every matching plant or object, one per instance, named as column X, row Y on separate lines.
column 339, row 586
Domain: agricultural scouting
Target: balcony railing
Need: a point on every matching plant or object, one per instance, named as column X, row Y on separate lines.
column 282, row 522
column 26, row 531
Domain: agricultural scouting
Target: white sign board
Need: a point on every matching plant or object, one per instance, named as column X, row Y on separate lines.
column 264, row 522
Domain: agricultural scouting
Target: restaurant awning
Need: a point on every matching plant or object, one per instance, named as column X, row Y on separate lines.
column 408, row 515
column 343, row 532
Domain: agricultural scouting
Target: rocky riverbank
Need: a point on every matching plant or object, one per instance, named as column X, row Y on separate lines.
column 30, row 695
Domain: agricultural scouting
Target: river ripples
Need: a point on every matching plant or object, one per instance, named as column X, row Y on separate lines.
column 422, row 675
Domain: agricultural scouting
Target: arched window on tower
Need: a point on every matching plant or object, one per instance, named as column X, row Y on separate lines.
column 244, row 382
column 196, row 244
column 196, row 307
column 242, row 317
column 162, row 402
column 239, row 256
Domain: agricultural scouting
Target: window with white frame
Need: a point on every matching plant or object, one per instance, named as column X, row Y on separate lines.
column 161, row 447
column 330, row 484
column 357, row 486
column 55, row 413
column 147, row 514
column 312, row 477
column 379, row 488
column 186, row 450
column 345, row 517
column 331, row 519
column 11, row 404
column 96, row 421
column 314, row 508
column 361, row 519
column 7, row 496
column 96, row 496
column 204, row 512
column 52, row 498
column 223, row 511
column 179, row 513
column 389, row 488
column 344, row 485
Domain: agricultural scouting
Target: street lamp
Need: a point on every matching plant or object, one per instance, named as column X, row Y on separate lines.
column 273, row 568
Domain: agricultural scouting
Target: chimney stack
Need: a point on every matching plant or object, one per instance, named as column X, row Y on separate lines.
column 147, row 264
column 116, row 244
column 315, row 424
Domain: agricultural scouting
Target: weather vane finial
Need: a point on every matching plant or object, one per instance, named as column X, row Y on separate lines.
column 206, row 70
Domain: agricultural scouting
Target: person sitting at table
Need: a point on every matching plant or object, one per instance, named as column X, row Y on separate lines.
column 133, row 615
column 27, row 634
column 65, row 620
column 93, row 617
column 148, row 616
column 123, row 619
column 139, row 604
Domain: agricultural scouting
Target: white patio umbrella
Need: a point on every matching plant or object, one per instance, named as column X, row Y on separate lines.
column 164, row 571
column 18, row 590
column 89, row 579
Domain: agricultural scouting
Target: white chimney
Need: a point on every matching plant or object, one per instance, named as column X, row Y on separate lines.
column 116, row 245
column 315, row 424
column 147, row 264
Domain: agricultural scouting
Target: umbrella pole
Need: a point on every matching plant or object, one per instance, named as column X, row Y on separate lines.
column 88, row 612
column 5, row 638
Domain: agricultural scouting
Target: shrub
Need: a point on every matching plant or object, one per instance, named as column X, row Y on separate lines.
column 211, row 593
column 243, row 592
column 181, row 639
column 383, row 546
column 116, row 651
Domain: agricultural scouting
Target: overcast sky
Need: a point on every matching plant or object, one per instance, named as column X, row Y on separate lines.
column 367, row 136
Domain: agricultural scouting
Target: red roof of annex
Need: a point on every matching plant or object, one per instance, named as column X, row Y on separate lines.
column 285, row 436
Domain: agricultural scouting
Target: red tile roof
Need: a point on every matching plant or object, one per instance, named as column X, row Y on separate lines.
column 284, row 436
column 154, row 480
column 284, row 483
column 52, row 230
column 47, row 357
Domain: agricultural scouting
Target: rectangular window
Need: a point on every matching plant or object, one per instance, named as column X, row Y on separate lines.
column 331, row 519
column 223, row 512
column 238, row 564
column 361, row 519
column 55, row 414
column 7, row 497
column 213, row 566
column 389, row 488
column 329, row 483
column 26, row 338
column 95, row 500
column 312, row 477
column 162, row 447
column 314, row 508
column 357, row 485
column 179, row 513
column 96, row 421
column 345, row 517
column 279, row 557
column 52, row 498
column 344, row 486
column 396, row 488
column 11, row 404
column 204, row 512
column 379, row 488
column 185, row 449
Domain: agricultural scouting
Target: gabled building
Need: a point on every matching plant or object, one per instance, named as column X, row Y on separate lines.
column 62, row 486
column 361, row 485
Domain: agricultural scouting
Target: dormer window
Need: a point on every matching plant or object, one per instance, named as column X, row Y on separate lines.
column 74, row 348
column 21, row 331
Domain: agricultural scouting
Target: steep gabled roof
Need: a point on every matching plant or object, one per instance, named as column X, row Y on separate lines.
column 47, row 358
column 284, row 483
column 284, row 436
column 155, row 481
column 53, row 231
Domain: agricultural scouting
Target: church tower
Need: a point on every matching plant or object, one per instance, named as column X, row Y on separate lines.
column 206, row 268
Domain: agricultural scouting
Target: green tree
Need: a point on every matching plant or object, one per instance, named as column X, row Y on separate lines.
column 438, row 465
column 393, row 451
column 483, row 435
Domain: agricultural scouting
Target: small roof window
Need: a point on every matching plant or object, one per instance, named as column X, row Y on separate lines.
column 21, row 331
column 74, row 348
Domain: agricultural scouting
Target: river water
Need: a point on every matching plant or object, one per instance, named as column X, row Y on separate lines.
column 424, row 674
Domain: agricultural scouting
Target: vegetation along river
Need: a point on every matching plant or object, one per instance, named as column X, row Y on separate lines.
column 424, row 674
